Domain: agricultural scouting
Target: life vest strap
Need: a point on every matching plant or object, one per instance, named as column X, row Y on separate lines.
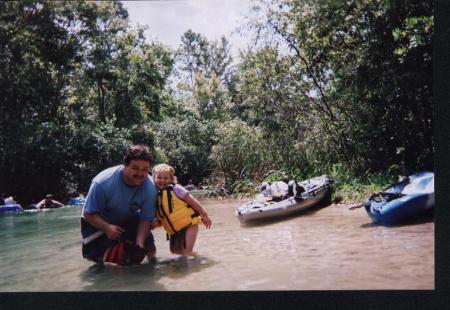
column 169, row 199
column 160, row 205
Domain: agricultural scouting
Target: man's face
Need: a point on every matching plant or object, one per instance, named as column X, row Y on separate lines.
column 136, row 172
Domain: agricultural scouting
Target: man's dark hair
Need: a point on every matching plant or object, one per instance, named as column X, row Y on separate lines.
column 137, row 152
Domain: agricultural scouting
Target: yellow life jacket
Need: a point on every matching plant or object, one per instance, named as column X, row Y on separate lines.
column 175, row 213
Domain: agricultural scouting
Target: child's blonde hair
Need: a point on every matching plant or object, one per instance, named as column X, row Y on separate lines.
column 165, row 168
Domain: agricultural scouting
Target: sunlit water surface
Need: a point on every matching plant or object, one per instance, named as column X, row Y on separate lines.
column 331, row 248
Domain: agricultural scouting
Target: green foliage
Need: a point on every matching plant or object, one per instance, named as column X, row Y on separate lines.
column 202, row 69
column 284, row 174
column 186, row 144
column 159, row 157
column 241, row 153
column 95, row 149
column 197, row 54
column 77, row 86
column 357, row 76
column 358, row 188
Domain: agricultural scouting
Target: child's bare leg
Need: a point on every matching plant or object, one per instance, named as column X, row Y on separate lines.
column 176, row 244
column 176, row 250
column 191, row 237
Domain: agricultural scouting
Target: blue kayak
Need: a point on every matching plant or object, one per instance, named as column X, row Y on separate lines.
column 11, row 208
column 77, row 201
column 404, row 200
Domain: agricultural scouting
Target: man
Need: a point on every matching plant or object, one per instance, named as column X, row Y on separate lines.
column 49, row 203
column 120, row 207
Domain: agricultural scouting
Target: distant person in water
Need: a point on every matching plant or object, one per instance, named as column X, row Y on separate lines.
column 76, row 199
column 178, row 212
column 7, row 200
column 201, row 185
column 49, row 203
column 190, row 186
column 117, row 217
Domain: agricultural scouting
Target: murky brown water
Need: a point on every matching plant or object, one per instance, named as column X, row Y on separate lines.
column 332, row 248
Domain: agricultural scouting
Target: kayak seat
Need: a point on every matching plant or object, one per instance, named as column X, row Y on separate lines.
column 385, row 196
column 295, row 189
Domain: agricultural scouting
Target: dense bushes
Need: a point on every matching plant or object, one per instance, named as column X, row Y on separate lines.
column 186, row 145
column 240, row 154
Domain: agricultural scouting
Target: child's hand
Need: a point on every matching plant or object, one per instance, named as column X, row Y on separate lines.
column 206, row 221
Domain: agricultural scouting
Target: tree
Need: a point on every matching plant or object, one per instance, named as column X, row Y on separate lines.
column 203, row 71
column 78, row 86
column 37, row 53
column 364, row 70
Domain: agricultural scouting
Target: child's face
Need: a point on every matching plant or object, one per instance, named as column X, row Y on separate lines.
column 162, row 179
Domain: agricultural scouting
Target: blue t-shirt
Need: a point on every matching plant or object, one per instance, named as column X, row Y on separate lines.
column 116, row 201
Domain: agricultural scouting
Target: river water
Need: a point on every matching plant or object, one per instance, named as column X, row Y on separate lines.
column 331, row 248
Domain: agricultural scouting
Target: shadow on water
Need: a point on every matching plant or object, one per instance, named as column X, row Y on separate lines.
column 100, row 277
column 427, row 217
column 182, row 266
column 143, row 277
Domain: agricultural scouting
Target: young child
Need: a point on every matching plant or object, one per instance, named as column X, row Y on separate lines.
column 178, row 211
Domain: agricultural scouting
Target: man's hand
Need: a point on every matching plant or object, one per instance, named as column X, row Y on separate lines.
column 113, row 232
column 140, row 244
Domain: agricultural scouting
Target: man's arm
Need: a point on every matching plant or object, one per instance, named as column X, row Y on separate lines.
column 60, row 205
column 95, row 202
column 40, row 204
column 112, row 231
column 143, row 231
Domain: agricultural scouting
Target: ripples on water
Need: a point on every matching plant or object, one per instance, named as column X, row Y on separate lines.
column 331, row 248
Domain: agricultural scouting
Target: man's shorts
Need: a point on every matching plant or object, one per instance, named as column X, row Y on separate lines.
column 125, row 250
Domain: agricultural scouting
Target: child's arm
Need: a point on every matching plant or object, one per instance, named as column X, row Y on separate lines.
column 195, row 204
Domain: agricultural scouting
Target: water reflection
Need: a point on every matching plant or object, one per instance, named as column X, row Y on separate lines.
column 99, row 277
column 145, row 276
column 181, row 266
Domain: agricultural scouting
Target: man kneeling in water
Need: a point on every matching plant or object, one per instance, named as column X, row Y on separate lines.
column 117, row 217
